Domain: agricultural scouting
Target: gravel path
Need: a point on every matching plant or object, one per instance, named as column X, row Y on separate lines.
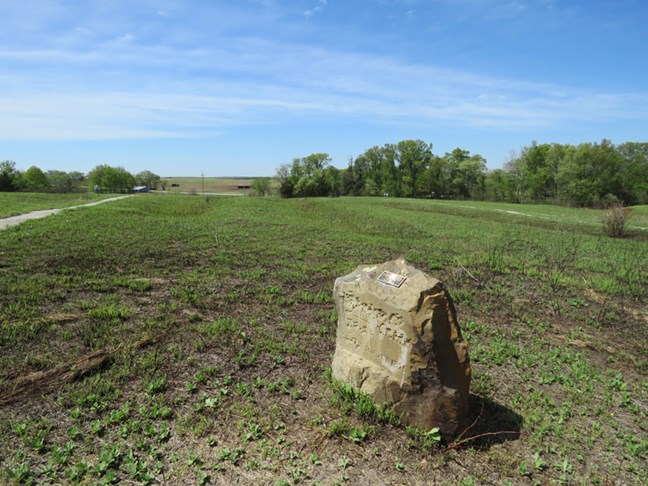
column 15, row 220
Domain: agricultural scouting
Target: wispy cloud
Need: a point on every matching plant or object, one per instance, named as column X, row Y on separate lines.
column 288, row 82
column 159, row 77
column 319, row 8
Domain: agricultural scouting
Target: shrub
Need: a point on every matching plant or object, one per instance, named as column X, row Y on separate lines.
column 615, row 220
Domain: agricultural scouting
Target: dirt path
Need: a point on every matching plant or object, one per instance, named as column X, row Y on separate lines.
column 15, row 220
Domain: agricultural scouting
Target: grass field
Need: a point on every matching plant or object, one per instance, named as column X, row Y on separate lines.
column 213, row 327
column 551, row 214
column 218, row 185
column 15, row 203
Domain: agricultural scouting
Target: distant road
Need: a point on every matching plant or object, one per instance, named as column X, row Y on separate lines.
column 16, row 220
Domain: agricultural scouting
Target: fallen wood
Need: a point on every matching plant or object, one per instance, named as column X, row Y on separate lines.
column 45, row 381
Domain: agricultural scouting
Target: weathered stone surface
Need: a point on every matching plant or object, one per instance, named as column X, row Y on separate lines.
column 403, row 346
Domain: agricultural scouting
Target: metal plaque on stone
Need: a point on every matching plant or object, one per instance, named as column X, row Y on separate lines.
column 392, row 279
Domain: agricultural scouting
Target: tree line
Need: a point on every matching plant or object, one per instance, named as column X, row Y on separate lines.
column 103, row 177
column 588, row 174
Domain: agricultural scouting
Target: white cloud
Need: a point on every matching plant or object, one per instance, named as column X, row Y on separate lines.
column 319, row 8
column 186, row 84
column 351, row 87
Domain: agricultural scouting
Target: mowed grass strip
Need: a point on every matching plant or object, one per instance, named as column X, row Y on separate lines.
column 233, row 298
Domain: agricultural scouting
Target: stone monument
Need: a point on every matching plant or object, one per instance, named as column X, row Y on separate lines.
column 398, row 341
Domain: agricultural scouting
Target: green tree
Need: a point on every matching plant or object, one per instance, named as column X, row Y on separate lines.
column 333, row 178
column 471, row 177
column 63, row 182
column 355, row 176
column 453, row 159
column 148, row 179
column 536, row 171
column 634, row 172
column 467, row 173
column 413, row 158
column 378, row 165
column 555, row 157
column 111, row 179
column 313, row 162
column 286, row 179
column 9, row 176
column 591, row 174
column 261, row 186
column 309, row 176
column 35, row 180
column 514, row 167
column 437, row 178
column 319, row 183
column 500, row 186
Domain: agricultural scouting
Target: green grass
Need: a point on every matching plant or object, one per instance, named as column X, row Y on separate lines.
column 15, row 203
column 639, row 216
column 236, row 294
column 543, row 213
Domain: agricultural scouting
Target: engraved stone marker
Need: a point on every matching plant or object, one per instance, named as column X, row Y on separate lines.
column 398, row 341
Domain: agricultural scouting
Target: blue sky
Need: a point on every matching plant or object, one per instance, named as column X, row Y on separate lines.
column 225, row 88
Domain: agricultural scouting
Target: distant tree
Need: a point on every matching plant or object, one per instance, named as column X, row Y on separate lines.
column 354, row 177
column 313, row 162
column 315, row 185
column 333, row 178
column 453, row 160
column 309, row 176
column 309, row 186
column 514, row 167
column 590, row 173
column 111, row 179
column 634, row 172
column 436, row 181
column 35, row 180
column 467, row 173
column 76, row 181
column 472, row 177
column 9, row 176
column 122, row 181
column 500, row 186
column 59, row 181
column 374, row 172
column 413, row 158
column 148, row 179
column 371, row 188
column 536, row 171
column 286, row 180
column 261, row 186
